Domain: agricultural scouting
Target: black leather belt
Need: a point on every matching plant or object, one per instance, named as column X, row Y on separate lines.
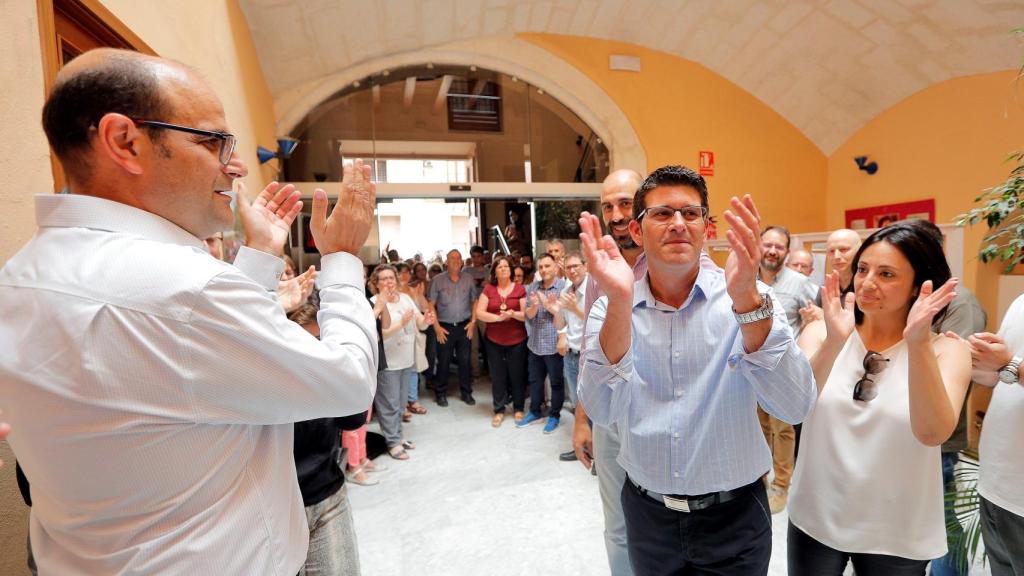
column 692, row 503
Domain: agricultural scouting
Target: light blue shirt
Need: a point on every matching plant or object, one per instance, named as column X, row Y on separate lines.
column 684, row 395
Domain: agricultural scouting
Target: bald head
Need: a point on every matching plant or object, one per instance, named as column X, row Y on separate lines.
column 842, row 245
column 617, row 193
column 802, row 261
column 105, row 81
column 619, row 180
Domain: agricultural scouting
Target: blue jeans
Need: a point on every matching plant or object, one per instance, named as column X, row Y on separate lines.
column 572, row 374
column 946, row 566
column 332, row 537
column 414, row 387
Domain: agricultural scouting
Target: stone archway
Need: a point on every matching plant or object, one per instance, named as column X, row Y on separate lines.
column 510, row 56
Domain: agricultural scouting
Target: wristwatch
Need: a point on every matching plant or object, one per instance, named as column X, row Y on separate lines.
column 765, row 310
column 1010, row 374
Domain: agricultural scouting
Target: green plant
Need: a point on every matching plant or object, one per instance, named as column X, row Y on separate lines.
column 963, row 528
column 1002, row 210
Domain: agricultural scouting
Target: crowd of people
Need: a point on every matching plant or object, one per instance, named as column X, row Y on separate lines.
column 172, row 412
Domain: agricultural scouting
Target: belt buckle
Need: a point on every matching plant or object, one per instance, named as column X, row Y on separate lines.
column 677, row 504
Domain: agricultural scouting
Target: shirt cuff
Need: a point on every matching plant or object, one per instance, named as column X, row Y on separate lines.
column 768, row 355
column 341, row 269
column 265, row 269
column 605, row 371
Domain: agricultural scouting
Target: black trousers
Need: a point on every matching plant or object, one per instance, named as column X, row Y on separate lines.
column 507, row 365
column 729, row 539
column 808, row 557
column 551, row 366
column 459, row 341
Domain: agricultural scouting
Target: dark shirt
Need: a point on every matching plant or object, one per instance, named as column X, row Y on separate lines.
column 317, row 450
column 507, row 332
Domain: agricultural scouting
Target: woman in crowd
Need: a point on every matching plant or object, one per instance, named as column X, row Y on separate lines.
column 419, row 278
column 354, row 441
column 415, row 292
column 518, row 274
column 868, row 483
column 399, row 347
column 500, row 306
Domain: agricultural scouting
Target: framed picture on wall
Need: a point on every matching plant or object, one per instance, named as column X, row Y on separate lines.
column 879, row 216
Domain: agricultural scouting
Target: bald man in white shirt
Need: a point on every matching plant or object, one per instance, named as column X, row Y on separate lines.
column 153, row 388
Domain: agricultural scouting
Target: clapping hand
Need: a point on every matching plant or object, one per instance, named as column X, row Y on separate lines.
column 406, row 317
column 837, row 310
column 267, row 221
column 927, row 305
column 811, row 312
column 989, row 352
column 744, row 261
column 345, row 230
column 610, row 270
column 294, row 292
column 552, row 304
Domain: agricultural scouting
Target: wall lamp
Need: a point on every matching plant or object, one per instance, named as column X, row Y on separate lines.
column 285, row 147
column 863, row 164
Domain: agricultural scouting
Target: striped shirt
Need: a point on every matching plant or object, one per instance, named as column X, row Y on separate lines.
column 543, row 340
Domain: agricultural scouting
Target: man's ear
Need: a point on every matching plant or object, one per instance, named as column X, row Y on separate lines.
column 120, row 141
column 636, row 232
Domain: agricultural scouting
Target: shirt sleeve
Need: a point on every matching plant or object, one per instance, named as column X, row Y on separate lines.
column 247, row 363
column 964, row 316
column 432, row 290
column 604, row 387
column 264, row 269
column 779, row 372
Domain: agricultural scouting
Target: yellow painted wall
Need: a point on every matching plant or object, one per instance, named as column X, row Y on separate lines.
column 679, row 108
column 947, row 142
column 213, row 37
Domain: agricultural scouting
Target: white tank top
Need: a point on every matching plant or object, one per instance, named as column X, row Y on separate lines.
column 863, row 483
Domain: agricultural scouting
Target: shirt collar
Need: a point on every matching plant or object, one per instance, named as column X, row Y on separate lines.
column 642, row 290
column 80, row 211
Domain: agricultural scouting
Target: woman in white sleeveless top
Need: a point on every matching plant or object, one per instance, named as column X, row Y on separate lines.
column 868, row 482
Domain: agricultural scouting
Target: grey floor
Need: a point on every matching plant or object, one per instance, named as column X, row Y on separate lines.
column 474, row 500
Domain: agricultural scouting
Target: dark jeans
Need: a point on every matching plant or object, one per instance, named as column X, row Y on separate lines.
column 733, row 538
column 1003, row 532
column 431, row 352
column 550, row 366
column 808, row 557
column 947, row 565
column 459, row 341
column 507, row 365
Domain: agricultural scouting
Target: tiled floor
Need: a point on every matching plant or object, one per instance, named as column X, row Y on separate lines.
column 474, row 500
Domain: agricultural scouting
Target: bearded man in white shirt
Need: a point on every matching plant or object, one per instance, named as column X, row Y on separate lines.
column 153, row 388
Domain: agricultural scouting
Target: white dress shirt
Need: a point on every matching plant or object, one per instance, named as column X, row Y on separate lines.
column 152, row 390
column 684, row 394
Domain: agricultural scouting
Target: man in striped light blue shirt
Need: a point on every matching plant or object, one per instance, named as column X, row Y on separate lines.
column 678, row 361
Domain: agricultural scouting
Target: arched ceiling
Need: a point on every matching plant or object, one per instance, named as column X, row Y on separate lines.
column 827, row 66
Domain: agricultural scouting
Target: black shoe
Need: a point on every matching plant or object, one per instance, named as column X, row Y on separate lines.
column 442, row 401
column 569, row 456
column 468, row 399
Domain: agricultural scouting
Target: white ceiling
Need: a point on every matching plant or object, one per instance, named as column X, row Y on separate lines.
column 828, row 66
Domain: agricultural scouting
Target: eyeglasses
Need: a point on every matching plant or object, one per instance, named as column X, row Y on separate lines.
column 664, row 214
column 865, row 389
column 227, row 141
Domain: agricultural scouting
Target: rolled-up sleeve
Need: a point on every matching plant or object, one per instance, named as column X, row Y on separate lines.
column 779, row 372
column 604, row 387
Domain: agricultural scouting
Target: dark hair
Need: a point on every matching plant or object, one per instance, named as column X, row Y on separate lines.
column 927, row 227
column 780, row 229
column 669, row 176
column 402, row 266
column 576, row 254
column 920, row 248
column 545, row 255
column 476, row 249
column 494, row 270
column 305, row 314
column 123, row 83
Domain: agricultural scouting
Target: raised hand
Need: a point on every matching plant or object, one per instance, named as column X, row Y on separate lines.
column 267, row 221
column 837, row 310
column 989, row 352
column 610, row 270
column 406, row 317
column 349, row 223
column 429, row 317
column 744, row 261
column 811, row 312
column 927, row 305
column 294, row 292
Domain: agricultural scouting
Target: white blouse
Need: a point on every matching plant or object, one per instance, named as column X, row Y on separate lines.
column 863, row 482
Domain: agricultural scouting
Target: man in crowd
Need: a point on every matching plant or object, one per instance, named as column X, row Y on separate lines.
column 571, row 303
column 544, row 318
column 526, row 261
column 154, row 388
column 679, row 362
column 451, row 298
column 997, row 360
column 480, row 271
column 841, row 246
column 557, row 250
column 597, row 448
column 802, row 261
column 792, row 290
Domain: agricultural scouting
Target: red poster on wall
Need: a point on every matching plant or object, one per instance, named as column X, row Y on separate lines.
column 879, row 216
column 706, row 163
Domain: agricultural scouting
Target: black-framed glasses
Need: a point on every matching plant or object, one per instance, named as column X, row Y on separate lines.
column 227, row 141
column 865, row 390
column 664, row 214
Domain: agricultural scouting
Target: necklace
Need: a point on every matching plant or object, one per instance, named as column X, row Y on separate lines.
column 504, row 306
